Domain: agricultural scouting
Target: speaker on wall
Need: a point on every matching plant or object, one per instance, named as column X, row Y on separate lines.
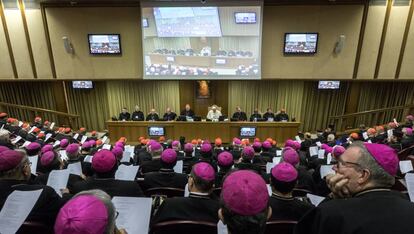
column 340, row 44
column 68, row 46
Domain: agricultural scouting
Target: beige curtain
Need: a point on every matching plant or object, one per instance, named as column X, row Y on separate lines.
column 383, row 95
column 34, row 94
column 145, row 94
column 264, row 94
column 318, row 105
column 90, row 104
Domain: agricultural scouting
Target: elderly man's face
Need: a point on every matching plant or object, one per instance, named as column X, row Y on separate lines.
column 136, row 108
column 187, row 107
column 124, row 110
column 214, row 109
column 238, row 109
column 152, row 111
column 168, row 110
column 349, row 167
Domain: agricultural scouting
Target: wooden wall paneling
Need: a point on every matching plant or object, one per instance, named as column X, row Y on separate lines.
column 361, row 39
column 4, row 65
column 27, row 36
column 187, row 94
column 407, row 68
column 405, row 38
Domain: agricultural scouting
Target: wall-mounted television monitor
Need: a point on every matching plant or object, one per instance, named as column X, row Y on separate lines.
column 301, row 43
column 104, row 43
column 245, row 17
column 325, row 84
column 156, row 131
column 82, row 84
column 145, row 23
column 247, row 131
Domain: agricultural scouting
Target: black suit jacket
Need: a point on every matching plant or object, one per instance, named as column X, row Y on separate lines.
column 152, row 117
column 110, row 186
column 164, row 178
column 195, row 207
column 257, row 116
column 137, row 116
column 239, row 116
column 189, row 113
column 150, row 166
column 288, row 208
column 268, row 115
column 169, row 116
column 46, row 207
column 123, row 116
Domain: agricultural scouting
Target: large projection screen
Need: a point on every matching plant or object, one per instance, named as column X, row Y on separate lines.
column 190, row 40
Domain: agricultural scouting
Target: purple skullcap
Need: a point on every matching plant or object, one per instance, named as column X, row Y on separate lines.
column 72, row 148
column 206, row 142
column 266, row 145
column 328, row 150
column 10, row 159
column 119, row 144
column 237, row 141
column 175, row 143
column 103, row 161
column 408, row 131
column 169, row 156
column 257, row 145
column 3, row 148
column 337, row 151
column 205, row 171
column 245, row 193
column 155, row 146
column 290, row 156
column 296, row 145
column 47, row 158
column 117, row 151
column 225, row 159
column 92, row 142
column 385, row 156
column 248, row 152
column 205, row 147
column 290, row 143
column 188, row 148
column 410, row 117
column 83, row 214
column 86, row 145
column 284, row 172
column 324, row 146
column 47, row 148
column 33, row 146
column 64, row 143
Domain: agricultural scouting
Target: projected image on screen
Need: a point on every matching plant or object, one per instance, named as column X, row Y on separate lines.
column 156, row 131
column 301, row 43
column 202, row 42
column 247, row 131
column 82, row 84
column 328, row 84
column 104, row 44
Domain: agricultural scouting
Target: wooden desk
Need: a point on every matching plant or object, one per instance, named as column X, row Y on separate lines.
column 279, row 131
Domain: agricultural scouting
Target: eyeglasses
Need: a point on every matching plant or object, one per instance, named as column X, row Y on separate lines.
column 341, row 163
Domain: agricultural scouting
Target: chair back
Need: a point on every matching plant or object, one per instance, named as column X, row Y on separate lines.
column 30, row 227
column 298, row 192
column 164, row 191
column 217, row 107
column 280, row 227
column 184, row 227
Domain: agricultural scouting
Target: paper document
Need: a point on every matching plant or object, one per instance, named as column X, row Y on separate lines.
column 134, row 213
column 178, row 168
column 58, row 179
column 297, row 138
column 321, row 153
column 49, row 135
column 17, row 207
column 329, row 158
column 315, row 200
column 33, row 160
column 409, row 179
column 126, row 156
column 221, row 228
column 365, row 135
column 406, row 166
column 269, row 167
column 75, row 168
column 56, row 143
column 104, row 139
column 17, row 139
column 52, row 126
column 84, row 138
column 278, row 153
column 106, row 146
column 63, row 155
column 269, row 189
column 125, row 172
column 313, row 151
column 318, row 143
column 326, row 170
column 76, row 136
column 88, row 159
column 276, row 160
column 32, row 129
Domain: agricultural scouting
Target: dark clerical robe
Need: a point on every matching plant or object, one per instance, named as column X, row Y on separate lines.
column 153, row 117
column 123, row 116
column 169, row 116
column 137, row 116
column 372, row 211
column 239, row 116
column 288, row 208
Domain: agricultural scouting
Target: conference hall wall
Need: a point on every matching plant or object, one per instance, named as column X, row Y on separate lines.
column 330, row 21
column 302, row 99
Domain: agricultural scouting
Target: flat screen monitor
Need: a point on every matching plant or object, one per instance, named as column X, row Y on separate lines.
column 301, row 43
column 189, row 41
column 87, row 84
column 247, row 131
column 324, row 84
column 245, row 17
column 104, row 44
column 156, row 131
column 145, row 23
